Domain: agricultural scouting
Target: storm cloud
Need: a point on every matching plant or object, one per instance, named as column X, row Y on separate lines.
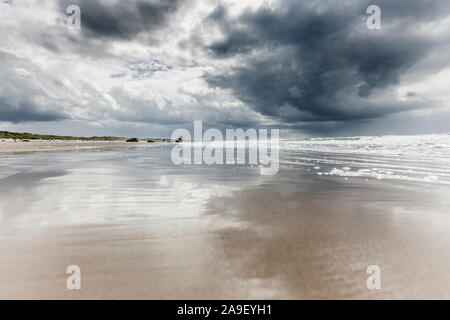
column 123, row 19
column 308, row 67
column 23, row 94
column 317, row 61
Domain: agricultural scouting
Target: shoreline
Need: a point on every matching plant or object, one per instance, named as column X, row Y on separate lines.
column 7, row 147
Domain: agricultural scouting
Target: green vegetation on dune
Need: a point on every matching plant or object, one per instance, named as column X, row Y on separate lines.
column 32, row 136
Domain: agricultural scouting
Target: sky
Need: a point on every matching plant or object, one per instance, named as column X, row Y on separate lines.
column 146, row 67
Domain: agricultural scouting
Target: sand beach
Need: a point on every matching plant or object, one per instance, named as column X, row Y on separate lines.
column 140, row 227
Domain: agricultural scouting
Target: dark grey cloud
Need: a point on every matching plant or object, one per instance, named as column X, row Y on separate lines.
column 22, row 98
column 316, row 61
column 21, row 109
column 122, row 19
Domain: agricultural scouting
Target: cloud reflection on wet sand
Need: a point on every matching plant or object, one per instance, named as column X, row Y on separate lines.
column 141, row 228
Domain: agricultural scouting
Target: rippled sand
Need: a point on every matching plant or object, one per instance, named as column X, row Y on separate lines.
column 140, row 227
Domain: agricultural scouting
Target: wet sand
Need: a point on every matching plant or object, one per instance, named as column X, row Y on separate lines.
column 58, row 145
column 217, row 233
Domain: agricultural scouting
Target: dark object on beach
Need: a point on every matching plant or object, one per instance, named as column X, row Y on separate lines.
column 25, row 140
column 149, row 141
column 180, row 139
column 132, row 140
column 167, row 140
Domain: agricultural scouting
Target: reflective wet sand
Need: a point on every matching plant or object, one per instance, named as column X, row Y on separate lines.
column 140, row 227
column 11, row 146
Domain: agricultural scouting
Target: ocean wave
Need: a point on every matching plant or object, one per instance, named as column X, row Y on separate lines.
column 421, row 158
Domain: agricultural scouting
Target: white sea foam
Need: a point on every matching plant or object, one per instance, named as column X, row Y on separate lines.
column 420, row 158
